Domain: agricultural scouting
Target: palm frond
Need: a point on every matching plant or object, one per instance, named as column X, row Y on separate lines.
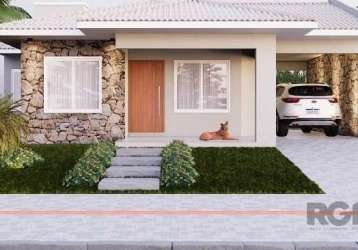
column 13, row 125
column 4, row 3
column 11, row 13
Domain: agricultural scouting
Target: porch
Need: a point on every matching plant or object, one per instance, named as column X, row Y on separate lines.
column 178, row 91
column 154, row 141
column 179, row 94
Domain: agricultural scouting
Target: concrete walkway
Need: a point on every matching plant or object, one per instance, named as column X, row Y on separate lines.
column 196, row 217
column 332, row 162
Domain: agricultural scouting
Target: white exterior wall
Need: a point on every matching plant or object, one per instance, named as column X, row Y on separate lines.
column 7, row 63
column 318, row 45
column 265, row 46
column 242, row 93
column 12, row 61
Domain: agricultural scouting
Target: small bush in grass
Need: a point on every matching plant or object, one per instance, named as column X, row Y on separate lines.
column 177, row 168
column 19, row 158
column 91, row 167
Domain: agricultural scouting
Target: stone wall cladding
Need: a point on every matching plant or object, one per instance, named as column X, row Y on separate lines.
column 341, row 72
column 73, row 128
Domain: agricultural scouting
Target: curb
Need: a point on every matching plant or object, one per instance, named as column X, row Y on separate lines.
column 185, row 245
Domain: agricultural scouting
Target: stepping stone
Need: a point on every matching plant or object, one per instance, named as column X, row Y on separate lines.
column 136, row 161
column 133, row 171
column 121, row 184
column 141, row 152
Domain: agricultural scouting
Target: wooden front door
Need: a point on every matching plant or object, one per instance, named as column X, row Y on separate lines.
column 146, row 96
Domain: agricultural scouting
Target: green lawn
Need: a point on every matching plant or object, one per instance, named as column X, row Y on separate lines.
column 46, row 176
column 247, row 170
column 224, row 170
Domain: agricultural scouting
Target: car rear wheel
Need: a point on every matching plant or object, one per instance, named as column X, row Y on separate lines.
column 281, row 127
column 306, row 130
column 331, row 131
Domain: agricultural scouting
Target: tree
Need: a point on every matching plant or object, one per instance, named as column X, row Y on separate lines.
column 13, row 125
column 9, row 12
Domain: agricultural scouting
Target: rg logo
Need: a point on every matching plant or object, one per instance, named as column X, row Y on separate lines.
column 338, row 213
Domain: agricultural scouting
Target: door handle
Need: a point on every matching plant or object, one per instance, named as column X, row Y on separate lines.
column 159, row 101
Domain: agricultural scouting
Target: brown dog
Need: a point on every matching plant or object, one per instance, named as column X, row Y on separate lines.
column 221, row 134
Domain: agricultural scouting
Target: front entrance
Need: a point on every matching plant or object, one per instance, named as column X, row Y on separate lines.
column 146, row 96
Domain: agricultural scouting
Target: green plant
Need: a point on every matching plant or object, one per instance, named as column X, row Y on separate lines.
column 290, row 76
column 9, row 12
column 177, row 168
column 19, row 158
column 45, row 177
column 12, row 125
column 91, row 167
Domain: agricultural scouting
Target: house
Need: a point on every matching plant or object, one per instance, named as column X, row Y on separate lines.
column 10, row 77
column 151, row 71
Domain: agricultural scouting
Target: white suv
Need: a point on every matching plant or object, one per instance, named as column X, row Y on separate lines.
column 307, row 106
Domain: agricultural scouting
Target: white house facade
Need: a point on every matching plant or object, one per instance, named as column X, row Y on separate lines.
column 152, row 71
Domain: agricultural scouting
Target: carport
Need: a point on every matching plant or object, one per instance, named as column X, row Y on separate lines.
column 329, row 60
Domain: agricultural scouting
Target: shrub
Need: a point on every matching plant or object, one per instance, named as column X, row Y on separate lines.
column 12, row 125
column 290, row 76
column 178, row 166
column 91, row 167
column 19, row 158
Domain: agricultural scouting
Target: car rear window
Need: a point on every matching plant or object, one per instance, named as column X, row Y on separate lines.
column 310, row 91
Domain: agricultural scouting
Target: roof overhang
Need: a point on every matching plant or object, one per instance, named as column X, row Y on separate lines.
column 197, row 25
column 332, row 33
column 41, row 33
column 107, row 30
column 10, row 51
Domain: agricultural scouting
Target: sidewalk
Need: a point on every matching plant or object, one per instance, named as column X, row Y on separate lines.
column 165, row 218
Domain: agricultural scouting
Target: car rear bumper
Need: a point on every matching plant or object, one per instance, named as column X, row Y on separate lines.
column 312, row 122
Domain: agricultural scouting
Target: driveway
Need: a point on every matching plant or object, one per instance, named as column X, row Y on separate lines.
column 332, row 162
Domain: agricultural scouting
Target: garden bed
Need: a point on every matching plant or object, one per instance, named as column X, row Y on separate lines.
column 221, row 170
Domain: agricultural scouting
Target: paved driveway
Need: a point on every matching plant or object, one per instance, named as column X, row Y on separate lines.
column 330, row 162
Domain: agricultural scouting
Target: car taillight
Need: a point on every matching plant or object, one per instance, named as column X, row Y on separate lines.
column 333, row 100
column 291, row 100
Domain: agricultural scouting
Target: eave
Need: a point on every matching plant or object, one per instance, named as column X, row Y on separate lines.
column 197, row 25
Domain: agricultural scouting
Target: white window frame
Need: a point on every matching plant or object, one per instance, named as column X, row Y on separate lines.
column 72, row 59
column 201, row 109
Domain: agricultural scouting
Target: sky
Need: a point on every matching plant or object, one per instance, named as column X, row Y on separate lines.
column 28, row 4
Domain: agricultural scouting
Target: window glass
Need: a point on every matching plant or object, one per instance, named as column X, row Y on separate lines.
column 314, row 90
column 215, row 86
column 202, row 86
column 87, row 85
column 188, row 85
column 72, row 84
column 59, row 83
